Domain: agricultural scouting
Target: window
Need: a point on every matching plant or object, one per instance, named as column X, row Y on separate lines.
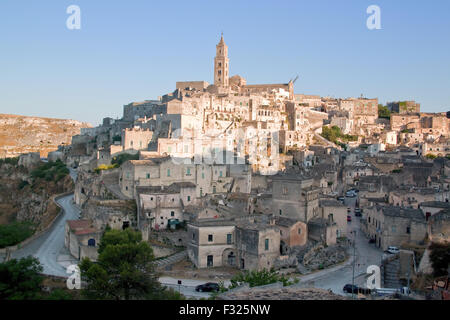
column 210, row 238
column 172, row 214
column 148, row 175
column 408, row 230
column 188, row 198
column 193, row 236
column 168, row 172
column 220, row 174
column 281, row 212
column 394, row 229
column 203, row 175
column 299, row 231
column 266, row 244
column 188, row 171
column 229, row 238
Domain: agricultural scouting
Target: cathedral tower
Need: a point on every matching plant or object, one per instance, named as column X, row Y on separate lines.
column 221, row 65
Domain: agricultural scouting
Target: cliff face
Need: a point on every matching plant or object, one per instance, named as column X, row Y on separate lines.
column 21, row 134
column 27, row 198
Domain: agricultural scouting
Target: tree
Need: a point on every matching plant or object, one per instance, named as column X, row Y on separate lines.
column 20, row 279
column 383, row 112
column 124, row 269
column 259, row 278
column 440, row 258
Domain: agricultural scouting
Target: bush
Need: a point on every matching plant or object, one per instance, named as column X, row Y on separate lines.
column 383, row 112
column 124, row 157
column 430, row 156
column 440, row 258
column 105, row 167
column 13, row 161
column 15, row 233
column 51, row 171
column 259, row 278
column 23, row 184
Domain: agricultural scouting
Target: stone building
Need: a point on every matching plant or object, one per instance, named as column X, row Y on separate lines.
column 293, row 233
column 245, row 244
column 82, row 239
column 439, row 227
column 392, row 226
column 293, row 196
column 402, row 107
column 334, row 211
column 161, row 207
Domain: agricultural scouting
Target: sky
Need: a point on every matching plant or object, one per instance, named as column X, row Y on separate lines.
column 135, row 50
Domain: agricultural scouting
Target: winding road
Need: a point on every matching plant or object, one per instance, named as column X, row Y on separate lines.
column 50, row 245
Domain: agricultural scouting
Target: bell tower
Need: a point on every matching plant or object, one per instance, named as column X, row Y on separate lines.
column 221, row 64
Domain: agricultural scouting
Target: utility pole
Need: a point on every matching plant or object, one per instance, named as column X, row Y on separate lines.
column 354, row 261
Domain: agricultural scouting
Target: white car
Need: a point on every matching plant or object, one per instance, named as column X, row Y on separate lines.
column 393, row 250
column 350, row 194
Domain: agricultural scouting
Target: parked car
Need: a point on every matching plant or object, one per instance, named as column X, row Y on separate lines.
column 207, row 287
column 349, row 288
column 350, row 194
column 358, row 214
column 349, row 210
column 349, row 218
column 341, row 198
column 393, row 250
column 372, row 241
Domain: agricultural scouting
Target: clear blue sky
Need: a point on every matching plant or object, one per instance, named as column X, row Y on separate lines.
column 135, row 50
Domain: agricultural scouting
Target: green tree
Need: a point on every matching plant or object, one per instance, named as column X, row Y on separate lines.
column 383, row 112
column 440, row 258
column 259, row 278
column 20, row 279
column 124, row 269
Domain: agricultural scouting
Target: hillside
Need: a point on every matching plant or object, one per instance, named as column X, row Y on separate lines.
column 22, row 134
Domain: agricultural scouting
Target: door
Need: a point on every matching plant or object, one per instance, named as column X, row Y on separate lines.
column 242, row 264
column 210, row 261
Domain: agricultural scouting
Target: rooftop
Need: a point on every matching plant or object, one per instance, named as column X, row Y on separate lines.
column 408, row 213
column 435, row 204
column 330, row 203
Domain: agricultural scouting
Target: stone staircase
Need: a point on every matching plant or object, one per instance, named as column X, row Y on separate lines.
column 390, row 270
column 171, row 259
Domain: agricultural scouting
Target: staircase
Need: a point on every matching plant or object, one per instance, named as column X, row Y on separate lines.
column 171, row 259
column 390, row 269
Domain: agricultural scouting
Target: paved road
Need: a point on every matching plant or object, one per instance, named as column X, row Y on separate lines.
column 366, row 254
column 187, row 287
column 50, row 245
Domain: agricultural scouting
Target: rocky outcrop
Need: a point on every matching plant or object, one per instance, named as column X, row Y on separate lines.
column 21, row 134
column 23, row 198
column 280, row 294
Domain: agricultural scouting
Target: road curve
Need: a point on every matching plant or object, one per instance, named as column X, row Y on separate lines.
column 48, row 246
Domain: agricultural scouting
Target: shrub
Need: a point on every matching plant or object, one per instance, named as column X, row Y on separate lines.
column 105, row 167
column 430, row 156
column 440, row 258
column 14, row 233
column 259, row 278
column 50, row 171
column 124, row 157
